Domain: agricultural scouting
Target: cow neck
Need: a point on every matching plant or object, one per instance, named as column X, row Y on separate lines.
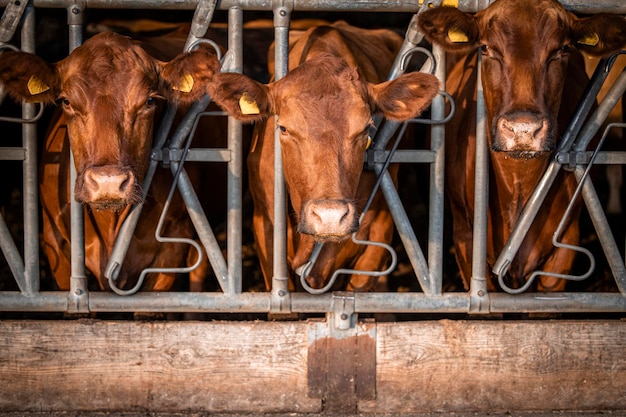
column 513, row 182
column 107, row 223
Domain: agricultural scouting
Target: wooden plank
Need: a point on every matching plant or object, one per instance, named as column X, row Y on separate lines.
column 500, row 366
column 263, row 367
column 126, row 366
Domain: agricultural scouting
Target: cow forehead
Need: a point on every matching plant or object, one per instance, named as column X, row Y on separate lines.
column 538, row 23
column 327, row 100
column 109, row 69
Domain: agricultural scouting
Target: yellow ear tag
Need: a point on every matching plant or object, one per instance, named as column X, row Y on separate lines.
column 36, row 86
column 186, row 84
column 369, row 142
column 248, row 105
column 590, row 40
column 457, row 36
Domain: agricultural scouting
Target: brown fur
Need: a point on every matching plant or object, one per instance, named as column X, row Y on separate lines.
column 324, row 108
column 532, row 71
column 110, row 91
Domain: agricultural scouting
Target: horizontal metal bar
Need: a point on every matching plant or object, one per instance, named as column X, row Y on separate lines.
column 401, row 156
column 410, row 6
column 603, row 158
column 198, row 155
column 309, row 303
column 12, row 154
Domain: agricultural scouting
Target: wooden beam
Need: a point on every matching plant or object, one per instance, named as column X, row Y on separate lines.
column 477, row 365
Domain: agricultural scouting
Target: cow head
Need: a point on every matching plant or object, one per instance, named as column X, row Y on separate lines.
column 525, row 47
column 323, row 114
column 109, row 89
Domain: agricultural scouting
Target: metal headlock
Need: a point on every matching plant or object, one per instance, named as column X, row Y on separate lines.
column 571, row 152
column 427, row 266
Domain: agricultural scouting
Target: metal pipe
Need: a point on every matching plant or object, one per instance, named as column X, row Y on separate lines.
column 79, row 292
column 400, row 6
column 437, row 176
column 478, row 284
column 235, row 165
column 411, row 302
column 31, row 197
column 280, row 277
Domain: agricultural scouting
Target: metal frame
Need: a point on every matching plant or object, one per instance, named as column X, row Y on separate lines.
column 229, row 272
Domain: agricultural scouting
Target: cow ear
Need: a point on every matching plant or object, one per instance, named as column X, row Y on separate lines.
column 449, row 28
column 26, row 77
column 599, row 35
column 241, row 97
column 405, row 97
column 187, row 76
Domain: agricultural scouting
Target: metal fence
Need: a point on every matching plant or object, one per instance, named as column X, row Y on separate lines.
column 427, row 264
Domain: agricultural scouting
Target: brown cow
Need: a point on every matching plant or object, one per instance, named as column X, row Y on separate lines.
column 324, row 109
column 110, row 91
column 533, row 75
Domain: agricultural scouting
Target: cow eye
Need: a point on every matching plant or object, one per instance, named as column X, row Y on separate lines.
column 151, row 101
column 282, row 128
column 484, row 49
column 64, row 101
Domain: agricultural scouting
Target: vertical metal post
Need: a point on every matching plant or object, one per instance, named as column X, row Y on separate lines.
column 29, row 141
column 234, row 241
column 280, row 280
column 78, row 295
column 479, row 301
column 437, row 169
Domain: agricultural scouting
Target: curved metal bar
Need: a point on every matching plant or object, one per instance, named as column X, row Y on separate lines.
column 163, row 239
column 561, row 226
column 306, row 268
column 29, row 120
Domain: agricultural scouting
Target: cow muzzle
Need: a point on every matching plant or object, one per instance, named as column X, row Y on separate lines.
column 523, row 135
column 107, row 187
column 328, row 220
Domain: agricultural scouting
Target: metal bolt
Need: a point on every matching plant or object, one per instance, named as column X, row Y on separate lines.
column 344, row 316
column 78, row 291
column 282, row 13
column 481, row 293
column 76, row 10
column 282, row 293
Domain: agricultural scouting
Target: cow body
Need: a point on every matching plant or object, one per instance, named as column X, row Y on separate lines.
column 324, row 108
column 110, row 91
column 533, row 76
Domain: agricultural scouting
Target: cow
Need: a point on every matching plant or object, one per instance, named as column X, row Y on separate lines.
column 533, row 75
column 324, row 109
column 111, row 93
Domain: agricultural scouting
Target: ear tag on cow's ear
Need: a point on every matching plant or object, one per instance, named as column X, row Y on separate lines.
column 591, row 39
column 369, row 142
column 248, row 105
column 186, row 84
column 457, row 36
column 36, row 86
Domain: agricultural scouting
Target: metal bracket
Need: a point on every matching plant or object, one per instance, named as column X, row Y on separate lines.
column 343, row 310
column 11, row 18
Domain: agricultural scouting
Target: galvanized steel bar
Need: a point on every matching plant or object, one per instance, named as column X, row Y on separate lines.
column 437, row 175
column 79, row 293
column 408, row 6
column 280, row 275
column 478, row 283
column 29, row 168
column 402, row 303
column 235, row 165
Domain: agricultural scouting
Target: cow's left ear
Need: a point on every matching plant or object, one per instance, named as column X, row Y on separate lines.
column 241, row 97
column 405, row 97
column 187, row 76
column 449, row 28
column 600, row 34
